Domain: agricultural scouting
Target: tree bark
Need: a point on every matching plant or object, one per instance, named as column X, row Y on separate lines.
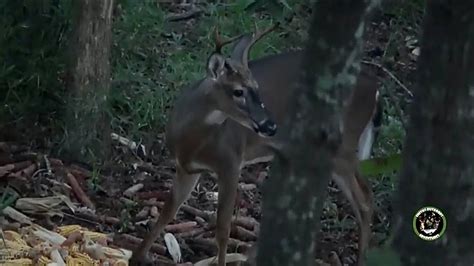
column 87, row 127
column 294, row 194
column 439, row 149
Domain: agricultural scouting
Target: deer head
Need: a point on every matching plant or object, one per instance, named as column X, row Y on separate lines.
column 233, row 88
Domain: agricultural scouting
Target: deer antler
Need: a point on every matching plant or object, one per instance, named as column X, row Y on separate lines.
column 242, row 48
column 219, row 43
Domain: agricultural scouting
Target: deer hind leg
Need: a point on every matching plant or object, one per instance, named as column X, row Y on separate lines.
column 227, row 184
column 183, row 185
column 359, row 195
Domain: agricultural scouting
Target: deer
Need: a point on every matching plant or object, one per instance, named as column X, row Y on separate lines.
column 228, row 120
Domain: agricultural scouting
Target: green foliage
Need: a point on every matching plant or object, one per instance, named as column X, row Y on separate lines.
column 383, row 256
column 154, row 59
column 32, row 43
column 137, row 98
column 9, row 196
column 381, row 165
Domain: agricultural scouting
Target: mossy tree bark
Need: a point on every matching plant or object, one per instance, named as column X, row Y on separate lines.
column 87, row 127
column 294, row 194
column 439, row 149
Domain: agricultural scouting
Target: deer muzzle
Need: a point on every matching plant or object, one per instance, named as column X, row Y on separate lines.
column 265, row 128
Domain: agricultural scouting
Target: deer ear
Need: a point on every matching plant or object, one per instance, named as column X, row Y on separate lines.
column 215, row 66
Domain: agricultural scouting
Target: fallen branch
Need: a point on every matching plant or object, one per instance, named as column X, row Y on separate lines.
column 78, row 192
column 55, row 162
column 192, row 233
column 192, row 13
column 246, row 222
column 26, row 172
column 242, row 234
column 206, row 215
column 6, row 169
column 158, row 195
column 210, row 244
column 90, row 217
column 129, row 192
column 180, row 227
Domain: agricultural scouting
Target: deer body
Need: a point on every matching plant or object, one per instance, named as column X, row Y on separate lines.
column 219, row 124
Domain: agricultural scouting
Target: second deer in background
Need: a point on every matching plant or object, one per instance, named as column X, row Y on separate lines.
column 229, row 120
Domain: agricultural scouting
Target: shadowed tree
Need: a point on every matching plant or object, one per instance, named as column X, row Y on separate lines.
column 294, row 194
column 87, row 125
column 439, row 149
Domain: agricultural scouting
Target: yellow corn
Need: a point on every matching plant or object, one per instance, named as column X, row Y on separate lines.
column 18, row 262
column 68, row 229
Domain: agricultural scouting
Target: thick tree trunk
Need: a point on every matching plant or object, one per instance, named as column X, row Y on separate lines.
column 294, row 194
column 87, row 127
column 439, row 150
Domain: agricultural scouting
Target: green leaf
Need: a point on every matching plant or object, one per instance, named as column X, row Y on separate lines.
column 9, row 196
column 381, row 165
column 383, row 256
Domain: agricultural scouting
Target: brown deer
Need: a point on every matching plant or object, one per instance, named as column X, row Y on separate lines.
column 229, row 119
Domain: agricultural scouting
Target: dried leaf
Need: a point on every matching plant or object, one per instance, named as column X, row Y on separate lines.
column 47, row 205
column 47, row 235
column 17, row 216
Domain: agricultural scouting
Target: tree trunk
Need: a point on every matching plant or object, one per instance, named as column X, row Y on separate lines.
column 87, row 126
column 439, row 150
column 294, row 194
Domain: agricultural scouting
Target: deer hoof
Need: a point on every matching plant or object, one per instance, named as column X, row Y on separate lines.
column 141, row 260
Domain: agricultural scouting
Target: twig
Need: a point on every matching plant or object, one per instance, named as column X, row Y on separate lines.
column 130, row 242
column 390, row 74
column 397, row 108
column 193, row 12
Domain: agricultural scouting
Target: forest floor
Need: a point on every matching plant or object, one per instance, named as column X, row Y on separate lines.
column 128, row 193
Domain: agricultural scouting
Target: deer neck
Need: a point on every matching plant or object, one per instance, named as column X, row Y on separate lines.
column 195, row 119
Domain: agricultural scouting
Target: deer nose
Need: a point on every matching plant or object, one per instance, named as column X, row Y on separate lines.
column 267, row 127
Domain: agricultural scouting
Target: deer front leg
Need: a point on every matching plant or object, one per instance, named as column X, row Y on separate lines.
column 183, row 184
column 227, row 185
column 359, row 195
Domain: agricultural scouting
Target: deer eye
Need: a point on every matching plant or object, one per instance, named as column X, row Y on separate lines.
column 238, row 92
